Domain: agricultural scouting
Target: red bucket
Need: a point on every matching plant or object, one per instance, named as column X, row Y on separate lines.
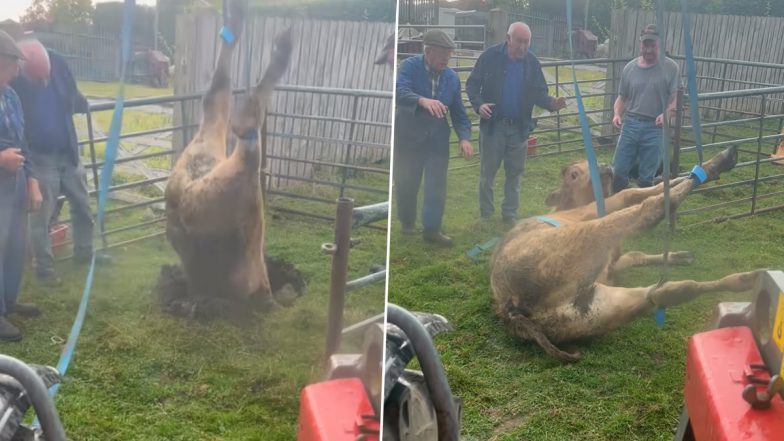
column 531, row 146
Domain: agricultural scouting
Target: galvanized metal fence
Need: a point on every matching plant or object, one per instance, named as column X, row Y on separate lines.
column 93, row 57
column 337, row 164
column 751, row 118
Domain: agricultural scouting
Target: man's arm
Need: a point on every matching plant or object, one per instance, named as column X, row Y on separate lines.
column 405, row 97
column 618, row 107
column 474, row 82
column 78, row 101
column 460, row 121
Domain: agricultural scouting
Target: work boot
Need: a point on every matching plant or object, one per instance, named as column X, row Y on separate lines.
column 510, row 221
column 9, row 332
column 437, row 238
column 25, row 310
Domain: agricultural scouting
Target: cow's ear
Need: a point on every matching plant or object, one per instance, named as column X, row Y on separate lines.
column 554, row 199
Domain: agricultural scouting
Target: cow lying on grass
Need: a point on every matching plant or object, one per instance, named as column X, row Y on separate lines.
column 551, row 276
column 214, row 205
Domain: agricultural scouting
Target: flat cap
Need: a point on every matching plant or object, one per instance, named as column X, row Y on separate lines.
column 8, row 46
column 649, row 32
column 439, row 38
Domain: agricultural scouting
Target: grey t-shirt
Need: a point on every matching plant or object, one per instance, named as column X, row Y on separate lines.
column 646, row 90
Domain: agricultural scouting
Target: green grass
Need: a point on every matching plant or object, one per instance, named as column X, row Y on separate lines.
column 628, row 386
column 95, row 89
column 138, row 374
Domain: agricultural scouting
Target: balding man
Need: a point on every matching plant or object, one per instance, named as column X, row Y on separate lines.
column 506, row 83
column 50, row 98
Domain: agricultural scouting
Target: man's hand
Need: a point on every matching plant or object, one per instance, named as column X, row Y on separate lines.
column 34, row 196
column 559, row 103
column 11, row 159
column 435, row 107
column 617, row 121
column 466, row 149
column 486, row 110
column 660, row 120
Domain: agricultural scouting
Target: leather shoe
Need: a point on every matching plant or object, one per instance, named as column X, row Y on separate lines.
column 25, row 310
column 438, row 238
column 9, row 332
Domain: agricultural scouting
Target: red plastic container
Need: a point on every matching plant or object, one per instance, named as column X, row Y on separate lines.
column 717, row 365
column 531, row 146
column 336, row 410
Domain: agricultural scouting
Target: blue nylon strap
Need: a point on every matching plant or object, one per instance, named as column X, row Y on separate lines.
column 692, row 74
column 660, row 315
column 106, row 177
column 226, row 34
column 593, row 167
column 699, row 173
column 549, row 220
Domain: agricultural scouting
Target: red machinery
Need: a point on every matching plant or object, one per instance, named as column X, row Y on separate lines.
column 734, row 387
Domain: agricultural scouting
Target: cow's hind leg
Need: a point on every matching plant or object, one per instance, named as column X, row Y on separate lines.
column 216, row 104
column 637, row 258
column 682, row 291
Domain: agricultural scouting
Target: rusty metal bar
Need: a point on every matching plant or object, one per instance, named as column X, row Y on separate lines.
column 337, row 290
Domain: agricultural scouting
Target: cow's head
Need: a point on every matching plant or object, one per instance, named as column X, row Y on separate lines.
column 575, row 190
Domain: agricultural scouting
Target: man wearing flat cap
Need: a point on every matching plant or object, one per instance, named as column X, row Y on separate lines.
column 426, row 91
column 649, row 84
column 506, row 83
column 18, row 191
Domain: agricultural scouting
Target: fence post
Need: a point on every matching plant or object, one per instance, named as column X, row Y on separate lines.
column 337, row 290
column 96, row 182
column 497, row 22
column 759, row 154
column 348, row 147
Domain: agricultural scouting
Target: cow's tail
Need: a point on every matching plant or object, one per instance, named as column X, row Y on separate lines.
column 522, row 327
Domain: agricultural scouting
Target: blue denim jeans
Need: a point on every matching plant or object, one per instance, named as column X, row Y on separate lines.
column 640, row 140
column 56, row 174
column 13, row 222
column 501, row 142
column 410, row 165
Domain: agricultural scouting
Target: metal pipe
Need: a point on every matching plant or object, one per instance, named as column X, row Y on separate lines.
column 337, row 290
column 432, row 368
column 759, row 151
column 370, row 213
column 366, row 280
column 344, row 174
column 36, row 391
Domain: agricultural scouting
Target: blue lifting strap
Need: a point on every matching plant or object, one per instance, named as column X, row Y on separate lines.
column 593, row 167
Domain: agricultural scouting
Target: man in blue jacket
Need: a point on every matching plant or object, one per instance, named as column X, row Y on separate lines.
column 426, row 91
column 18, row 191
column 506, row 83
column 49, row 105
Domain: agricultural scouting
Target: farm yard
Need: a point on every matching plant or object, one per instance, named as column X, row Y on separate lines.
column 629, row 384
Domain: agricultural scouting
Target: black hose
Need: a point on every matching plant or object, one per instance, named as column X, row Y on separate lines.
column 35, row 389
column 432, row 369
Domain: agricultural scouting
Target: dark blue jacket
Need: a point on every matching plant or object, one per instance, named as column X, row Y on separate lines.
column 68, row 95
column 413, row 82
column 12, row 126
column 486, row 81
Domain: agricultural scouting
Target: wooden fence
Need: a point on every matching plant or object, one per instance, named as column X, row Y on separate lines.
column 310, row 126
column 723, row 37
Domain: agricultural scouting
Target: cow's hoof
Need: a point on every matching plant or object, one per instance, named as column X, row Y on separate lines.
column 724, row 161
column 681, row 258
column 286, row 296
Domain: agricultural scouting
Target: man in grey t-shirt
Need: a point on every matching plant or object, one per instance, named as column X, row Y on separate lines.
column 648, row 85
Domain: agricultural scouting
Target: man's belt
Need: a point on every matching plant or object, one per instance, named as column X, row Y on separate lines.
column 640, row 117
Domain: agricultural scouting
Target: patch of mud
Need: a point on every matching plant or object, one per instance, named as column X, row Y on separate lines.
column 171, row 290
